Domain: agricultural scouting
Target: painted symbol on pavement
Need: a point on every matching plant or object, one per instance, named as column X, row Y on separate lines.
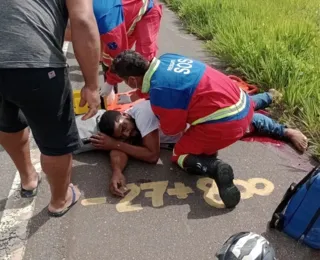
column 156, row 190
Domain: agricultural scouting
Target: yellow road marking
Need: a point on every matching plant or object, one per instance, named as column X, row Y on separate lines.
column 207, row 185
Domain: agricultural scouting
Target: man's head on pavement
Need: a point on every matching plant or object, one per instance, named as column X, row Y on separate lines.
column 131, row 67
column 118, row 125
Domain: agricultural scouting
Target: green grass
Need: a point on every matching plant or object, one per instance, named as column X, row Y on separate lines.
column 271, row 43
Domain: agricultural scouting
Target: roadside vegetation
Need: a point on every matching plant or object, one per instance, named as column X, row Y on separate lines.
column 271, row 43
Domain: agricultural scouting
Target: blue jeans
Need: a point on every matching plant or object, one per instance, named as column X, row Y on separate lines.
column 263, row 124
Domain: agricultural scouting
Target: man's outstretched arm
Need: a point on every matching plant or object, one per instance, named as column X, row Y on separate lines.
column 119, row 161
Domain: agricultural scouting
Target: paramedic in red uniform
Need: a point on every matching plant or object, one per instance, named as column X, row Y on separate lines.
column 184, row 91
column 123, row 23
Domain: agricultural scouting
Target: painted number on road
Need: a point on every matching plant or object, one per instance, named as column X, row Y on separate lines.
column 247, row 189
column 156, row 190
column 125, row 204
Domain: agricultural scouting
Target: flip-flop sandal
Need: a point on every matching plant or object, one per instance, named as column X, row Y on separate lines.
column 64, row 211
column 30, row 193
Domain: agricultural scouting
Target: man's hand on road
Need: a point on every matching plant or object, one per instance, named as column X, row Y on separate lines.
column 91, row 96
column 118, row 184
column 103, row 142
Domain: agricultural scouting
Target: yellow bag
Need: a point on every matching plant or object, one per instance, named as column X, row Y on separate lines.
column 76, row 101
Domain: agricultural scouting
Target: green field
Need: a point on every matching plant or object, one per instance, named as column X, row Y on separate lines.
column 273, row 44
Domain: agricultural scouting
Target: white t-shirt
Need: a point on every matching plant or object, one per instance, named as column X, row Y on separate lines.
column 145, row 120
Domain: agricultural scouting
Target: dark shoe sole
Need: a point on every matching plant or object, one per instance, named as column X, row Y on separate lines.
column 30, row 193
column 64, row 211
column 229, row 193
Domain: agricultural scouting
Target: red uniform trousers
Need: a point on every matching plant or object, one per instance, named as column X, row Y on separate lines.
column 144, row 37
column 210, row 138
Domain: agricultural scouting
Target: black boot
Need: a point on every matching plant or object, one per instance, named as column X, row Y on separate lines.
column 218, row 170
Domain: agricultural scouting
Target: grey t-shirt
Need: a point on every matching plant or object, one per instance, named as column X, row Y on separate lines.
column 32, row 33
column 86, row 129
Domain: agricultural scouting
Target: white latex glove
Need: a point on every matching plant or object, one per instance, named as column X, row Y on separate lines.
column 106, row 89
column 124, row 99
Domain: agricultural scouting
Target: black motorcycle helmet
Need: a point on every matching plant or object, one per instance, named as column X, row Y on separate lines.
column 246, row 245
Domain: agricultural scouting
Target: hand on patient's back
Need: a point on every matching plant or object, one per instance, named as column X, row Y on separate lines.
column 118, row 185
column 102, row 141
column 124, row 99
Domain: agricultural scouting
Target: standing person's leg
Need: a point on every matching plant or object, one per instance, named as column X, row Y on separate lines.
column 147, row 31
column 45, row 98
column 14, row 137
column 192, row 153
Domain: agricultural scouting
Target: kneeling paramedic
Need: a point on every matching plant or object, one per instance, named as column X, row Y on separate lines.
column 184, row 91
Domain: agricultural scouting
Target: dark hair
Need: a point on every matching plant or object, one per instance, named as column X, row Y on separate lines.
column 129, row 64
column 107, row 122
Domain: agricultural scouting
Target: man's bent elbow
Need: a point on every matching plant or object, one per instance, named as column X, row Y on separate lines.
column 153, row 158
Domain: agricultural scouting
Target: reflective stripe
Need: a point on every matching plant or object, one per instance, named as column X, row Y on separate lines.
column 173, row 153
column 181, row 159
column 225, row 112
column 106, row 56
column 142, row 11
column 105, row 64
column 147, row 77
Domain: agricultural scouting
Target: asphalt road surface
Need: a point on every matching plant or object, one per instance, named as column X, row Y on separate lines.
column 167, row 215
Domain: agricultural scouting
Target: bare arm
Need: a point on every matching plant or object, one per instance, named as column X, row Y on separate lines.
column 68, row 37
column 119, row 161
column 86, row 40
column 117, row 184
column 149, row 152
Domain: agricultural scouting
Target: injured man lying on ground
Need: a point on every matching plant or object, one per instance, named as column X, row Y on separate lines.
column 136, row 133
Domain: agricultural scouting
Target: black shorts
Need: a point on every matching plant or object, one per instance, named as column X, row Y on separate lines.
column 41, row 99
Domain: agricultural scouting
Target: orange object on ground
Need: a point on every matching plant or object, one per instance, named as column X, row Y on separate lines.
column 250, row 89
column 122, row 107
